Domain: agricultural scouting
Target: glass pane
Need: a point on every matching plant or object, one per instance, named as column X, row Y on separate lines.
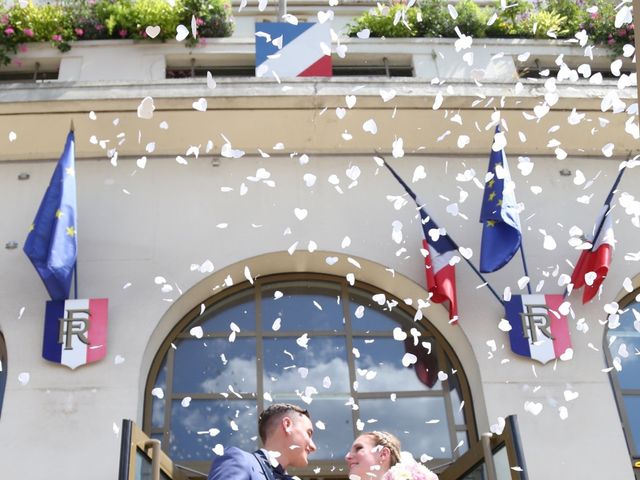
column 211, row 365
column 379, row 366
column 463, row 443
column 478, row 473
column 332, row 425
column 142, row 466
column 501, row 462
column 194, row 428
column 239, row 309
column 157, row 404
column 367, row 315
column 632, row 404
column 455, row 392
column 302, row 307
column 419, row 423
column 290, row 368
column 627, row 349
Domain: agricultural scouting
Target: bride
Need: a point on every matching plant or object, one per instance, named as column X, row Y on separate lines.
column 377, row 455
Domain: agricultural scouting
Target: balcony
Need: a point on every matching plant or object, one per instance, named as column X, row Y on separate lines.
column 428, row 77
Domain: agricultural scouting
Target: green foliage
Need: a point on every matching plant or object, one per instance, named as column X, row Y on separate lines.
column 213, row 17
column 435, row 20
column 520, row 18
column 383, row 21
column 70, row 20
column 570, row 10
column 509, row 22
column 48, row 23
column 600, row 25
column 544, row 24
column 472, row 20
column 154, row 13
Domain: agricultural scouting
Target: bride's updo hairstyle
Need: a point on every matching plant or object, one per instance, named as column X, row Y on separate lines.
column 386, row 439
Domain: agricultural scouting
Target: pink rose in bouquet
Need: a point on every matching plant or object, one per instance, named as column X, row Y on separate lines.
column 409, row 469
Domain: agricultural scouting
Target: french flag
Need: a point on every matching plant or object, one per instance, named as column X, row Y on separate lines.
column 287, row 50
column 440, row 271
column 440, row 251
column 68, row 324
column 543, row 349
column 593, row 264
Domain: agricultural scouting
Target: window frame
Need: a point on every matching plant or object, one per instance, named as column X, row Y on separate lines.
column 446, row 357
column 619, row 392
column 4, row 370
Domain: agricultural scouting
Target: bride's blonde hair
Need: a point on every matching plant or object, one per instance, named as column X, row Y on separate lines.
column 386, row 439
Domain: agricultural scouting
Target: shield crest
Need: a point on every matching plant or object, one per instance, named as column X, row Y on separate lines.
column 538, row 330
column 75, row 331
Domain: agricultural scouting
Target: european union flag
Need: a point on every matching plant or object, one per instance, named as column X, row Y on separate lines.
column 501, row 235
column 52, row 242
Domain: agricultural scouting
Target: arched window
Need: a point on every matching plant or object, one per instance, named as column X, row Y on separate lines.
column 622, row 347
column 354, row 353
column 3, row 370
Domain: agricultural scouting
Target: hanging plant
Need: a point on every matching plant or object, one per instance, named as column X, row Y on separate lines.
column 77, row 20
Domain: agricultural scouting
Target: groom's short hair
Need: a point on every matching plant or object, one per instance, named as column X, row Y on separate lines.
column 273, row 414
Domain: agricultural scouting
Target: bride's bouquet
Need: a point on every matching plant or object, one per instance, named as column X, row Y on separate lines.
column 409, row 469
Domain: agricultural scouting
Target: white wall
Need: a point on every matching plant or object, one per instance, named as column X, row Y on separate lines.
column 135, row 224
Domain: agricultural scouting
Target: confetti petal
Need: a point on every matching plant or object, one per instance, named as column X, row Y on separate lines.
column 182, row 32
column 370, row 126
column 23, row 378
column 152, row 31
column 146, row 108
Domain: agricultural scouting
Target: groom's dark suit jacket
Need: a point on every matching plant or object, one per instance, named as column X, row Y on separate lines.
column 237, row 464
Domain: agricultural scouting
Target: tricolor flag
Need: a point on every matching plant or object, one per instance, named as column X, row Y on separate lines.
column 440, row 251
column 75, row 331
column 501, row 235
column 593, row 264
column 285, row 50
column 52, row 243
column 538, row 330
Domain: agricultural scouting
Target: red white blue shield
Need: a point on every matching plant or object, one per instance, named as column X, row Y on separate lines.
column 538, row 330
column 75, row 331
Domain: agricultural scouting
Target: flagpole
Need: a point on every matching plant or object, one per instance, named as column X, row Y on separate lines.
column 415, row 198
column 75, row 280
column 608, row 201
column 526, row 270
column 75, row 265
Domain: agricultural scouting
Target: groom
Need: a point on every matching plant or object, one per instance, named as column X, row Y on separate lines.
column 285, row 430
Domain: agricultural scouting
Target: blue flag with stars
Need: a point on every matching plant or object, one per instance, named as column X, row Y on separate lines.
column 52, row 242
column 501, row 234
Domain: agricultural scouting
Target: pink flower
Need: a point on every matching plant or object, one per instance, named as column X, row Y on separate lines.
column 28, row 32
column 611, row 41
column 199, row 21
column 409, row 470
column 122, row 33
column 56, row 38
column 79, row 32
column 4, row 19
column 22, row 48
column 9, row 31
column 16, row 62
